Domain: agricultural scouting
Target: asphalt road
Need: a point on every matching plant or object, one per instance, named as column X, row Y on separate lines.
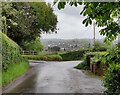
column 58, row 77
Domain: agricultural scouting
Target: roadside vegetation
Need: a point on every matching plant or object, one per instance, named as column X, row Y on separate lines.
column 24, row 22
column 14, row 71
column 58, row 56
column 13, row 64
column 98, row 46
column 104, row 15
column 73, row 55
column 34, row 45
column 22, row 25
column 96, row 53
column 52, row 57
column 106, row 64
column 91, row 57
column 112, row 79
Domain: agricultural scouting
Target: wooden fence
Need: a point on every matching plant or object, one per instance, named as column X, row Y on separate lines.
column 24, row 52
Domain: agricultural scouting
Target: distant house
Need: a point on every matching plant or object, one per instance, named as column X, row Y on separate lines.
column 54, row 49
column 62, row 49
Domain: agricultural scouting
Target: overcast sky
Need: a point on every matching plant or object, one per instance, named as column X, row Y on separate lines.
column 70, row 25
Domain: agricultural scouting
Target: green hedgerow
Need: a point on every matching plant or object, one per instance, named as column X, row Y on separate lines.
column 112, row 80
column 43, row 57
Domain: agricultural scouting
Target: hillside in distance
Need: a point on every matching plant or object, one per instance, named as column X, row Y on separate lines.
column 71, row 44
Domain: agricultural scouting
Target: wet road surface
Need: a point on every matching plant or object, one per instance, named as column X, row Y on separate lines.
column 58, row 77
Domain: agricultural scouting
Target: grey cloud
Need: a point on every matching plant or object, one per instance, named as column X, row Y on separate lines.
column 70, row 11
column 70, row 25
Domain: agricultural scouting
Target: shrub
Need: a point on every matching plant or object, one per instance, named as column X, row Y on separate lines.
column 82, row 66
column 112, row 80
column 10, row 52
column 112, row 56
column 43, row 57
column 74, row 55
column 87, row 59
column 13, row 64
column 98, row 46
column 34, row 57
column 34, row 45
column 53, row 58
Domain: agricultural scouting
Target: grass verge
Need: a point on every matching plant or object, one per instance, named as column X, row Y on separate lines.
column 14, row 71
column 82, row 66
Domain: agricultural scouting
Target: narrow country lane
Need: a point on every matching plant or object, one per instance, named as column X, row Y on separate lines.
column 58, row 77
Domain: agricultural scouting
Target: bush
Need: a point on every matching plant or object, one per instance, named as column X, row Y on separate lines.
column 73, row 55
column 98, row 46
column 43, row 57
column 10, row 52
column 82, row 66
column 112, row 56
column 34, row 57
column 112, row 79
column 13, row 64
column 87, row 59
column 34, row 45
column 53, row 58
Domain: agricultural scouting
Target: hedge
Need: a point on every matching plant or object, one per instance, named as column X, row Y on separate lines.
column 112, row 80
column 43, row 57
column 73, row 55
column 10, row 52
column 13, row 64
column 95, row 56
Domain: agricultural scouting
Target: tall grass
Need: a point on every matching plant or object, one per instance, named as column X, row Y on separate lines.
column 14, row 71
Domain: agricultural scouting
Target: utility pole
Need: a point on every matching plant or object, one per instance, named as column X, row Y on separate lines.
column 94, row 31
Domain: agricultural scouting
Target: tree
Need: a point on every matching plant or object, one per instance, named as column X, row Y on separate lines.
column 19, row 25
column 47, row 20
column 98, row 46
column 34, row 45
column 25, row 21
column 104, row 13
